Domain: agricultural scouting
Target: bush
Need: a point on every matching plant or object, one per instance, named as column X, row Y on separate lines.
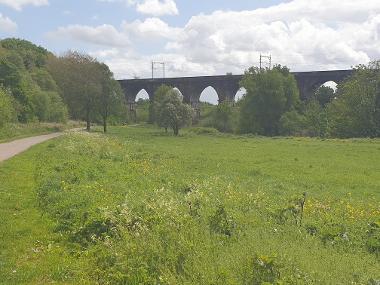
column 292, row 123
column 316, row 119
column 221, row 222
column 222, row 117
column 142, row 111
column 310, row 121
column 264, row 270
column 373, row 238
column 203, row 131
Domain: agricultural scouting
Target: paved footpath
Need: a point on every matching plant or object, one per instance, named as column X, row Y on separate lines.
column 10, row 149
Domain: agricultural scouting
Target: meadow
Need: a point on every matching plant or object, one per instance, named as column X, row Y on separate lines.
column 138, row 206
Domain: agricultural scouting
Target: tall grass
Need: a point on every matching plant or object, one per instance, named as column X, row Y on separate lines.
column 139, row 207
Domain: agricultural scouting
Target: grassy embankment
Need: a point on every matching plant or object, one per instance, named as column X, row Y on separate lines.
column 17, row 131
column 140, row 207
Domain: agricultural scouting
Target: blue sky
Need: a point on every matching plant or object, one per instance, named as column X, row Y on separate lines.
column 201, row 37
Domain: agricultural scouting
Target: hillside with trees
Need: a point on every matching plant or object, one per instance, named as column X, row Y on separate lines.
column 27, row 86
column 37, row 86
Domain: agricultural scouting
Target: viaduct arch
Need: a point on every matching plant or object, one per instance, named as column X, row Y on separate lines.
column 225, row 85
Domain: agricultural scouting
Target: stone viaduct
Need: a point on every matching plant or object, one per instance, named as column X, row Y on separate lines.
column 226, row 86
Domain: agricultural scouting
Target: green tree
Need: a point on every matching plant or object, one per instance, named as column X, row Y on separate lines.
column 7, row 111
column 44, row 79
column 292, row 123
column 79, row 76
column 23, row 73
column 32, row 55
column 324, row 95
column 57, row 109
column 88, row 87
column 14, row 77
column 316, row 119
column 270, row 94
column 156, row 105
column 356, row 111
column 222, row 117
column 111, row 99
column 170, row 112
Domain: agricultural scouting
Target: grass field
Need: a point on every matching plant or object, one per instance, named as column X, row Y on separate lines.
column 141, row 207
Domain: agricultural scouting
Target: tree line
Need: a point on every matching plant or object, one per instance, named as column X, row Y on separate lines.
column 37, row 86
column 272, row 106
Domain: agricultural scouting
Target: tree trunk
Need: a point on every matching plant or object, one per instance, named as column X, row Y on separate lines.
column 176, row 130
column 88, row 122
column 104, row 125
column 105, row 116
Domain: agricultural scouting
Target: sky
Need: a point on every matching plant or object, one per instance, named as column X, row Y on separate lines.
column 201, row 37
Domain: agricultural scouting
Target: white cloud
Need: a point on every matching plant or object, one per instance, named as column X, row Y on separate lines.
column 7, row 25
column 105, row 35
column 18, row 4
column 158, row 7
column 151, row 29
column 127, row 64
column 150, row 7
column 303, row 34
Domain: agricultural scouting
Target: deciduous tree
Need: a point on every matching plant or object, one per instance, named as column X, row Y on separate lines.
column 111, row 99
column 7, row 111
column 222, row 117
column 23, row 73
column 80, row 79
column 156, row 105
column 170, row 111
column 270, row 94
column 356, row 111
column 324, row 95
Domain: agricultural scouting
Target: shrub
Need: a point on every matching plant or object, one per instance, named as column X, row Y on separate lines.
column 203, row 131
column 221, row 222
column 262, row 270
column 222, row 117
column 292, row 123
column 373, row 238
column 316, row 119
